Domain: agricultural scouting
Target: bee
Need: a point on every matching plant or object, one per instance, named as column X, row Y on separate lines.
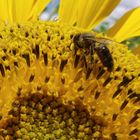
column 90, row 44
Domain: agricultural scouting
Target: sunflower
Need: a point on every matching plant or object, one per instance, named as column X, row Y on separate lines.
column 50, row 90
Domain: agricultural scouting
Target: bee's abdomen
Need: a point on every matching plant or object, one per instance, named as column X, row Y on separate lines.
column 105, row 56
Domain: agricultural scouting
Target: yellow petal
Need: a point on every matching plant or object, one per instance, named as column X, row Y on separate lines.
column 92, row 12
column 16, row 11
column 68, row 11
column 3, row 10
column 127, row 26
column 85, row 13
column 22, row 8
column 37, row 7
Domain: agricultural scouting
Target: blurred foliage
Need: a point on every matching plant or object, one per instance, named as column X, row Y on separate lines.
column 103, row 27
column 133, row 42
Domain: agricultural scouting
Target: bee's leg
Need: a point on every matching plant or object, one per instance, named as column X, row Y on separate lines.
column 90, row 65
column 75, row 49
column 91, row 50
column 84, row 58
column 91, row 54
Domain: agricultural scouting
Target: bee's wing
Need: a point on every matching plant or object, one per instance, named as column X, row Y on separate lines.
column 104, row 40
column 91, row 37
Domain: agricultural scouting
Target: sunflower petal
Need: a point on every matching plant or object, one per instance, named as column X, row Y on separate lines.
column 92, row 12
column 37, row 7
column 85, row 13
column 3, row 10
column 21, row 10
column 127, row 26
column 68, row 11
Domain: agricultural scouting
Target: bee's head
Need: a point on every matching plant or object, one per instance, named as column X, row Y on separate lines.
column 76, row 39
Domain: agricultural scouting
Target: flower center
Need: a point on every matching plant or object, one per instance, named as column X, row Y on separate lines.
column 41, row 116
